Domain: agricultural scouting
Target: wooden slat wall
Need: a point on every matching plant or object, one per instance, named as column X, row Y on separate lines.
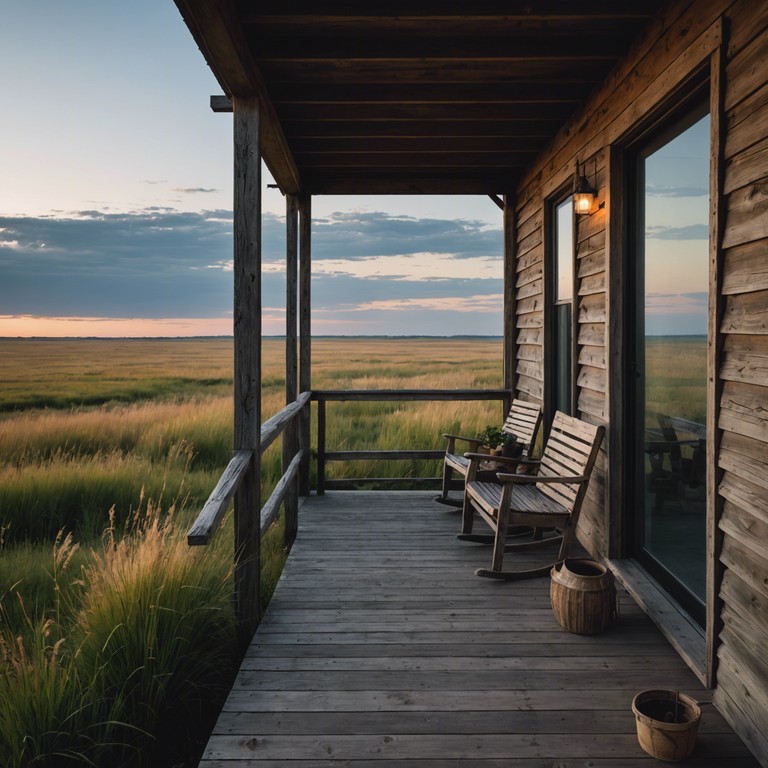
column 683, row 36
column 742, row 676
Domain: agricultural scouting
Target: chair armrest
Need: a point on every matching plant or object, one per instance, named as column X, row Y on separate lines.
column 547, row 479
column 448, row 436
column 502, row 459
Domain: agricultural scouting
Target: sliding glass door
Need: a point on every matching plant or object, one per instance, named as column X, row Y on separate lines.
column 668, row 399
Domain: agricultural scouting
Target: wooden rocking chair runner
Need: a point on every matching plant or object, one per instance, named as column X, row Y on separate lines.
column 551, row 498
column 522, row 421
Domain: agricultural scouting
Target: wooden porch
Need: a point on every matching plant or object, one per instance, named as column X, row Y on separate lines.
column 380, row 644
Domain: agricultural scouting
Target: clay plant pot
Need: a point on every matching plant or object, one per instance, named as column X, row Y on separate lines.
column 667, row 723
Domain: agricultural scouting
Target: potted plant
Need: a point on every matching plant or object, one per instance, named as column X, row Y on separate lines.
column 498, row 442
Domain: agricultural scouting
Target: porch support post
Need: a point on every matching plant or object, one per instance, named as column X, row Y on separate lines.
column 305, row 330
column 247, row 363
column 510, row 314
column 290, row 436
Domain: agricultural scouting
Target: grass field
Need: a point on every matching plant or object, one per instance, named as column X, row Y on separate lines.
column 676, row 377
column 118, row 443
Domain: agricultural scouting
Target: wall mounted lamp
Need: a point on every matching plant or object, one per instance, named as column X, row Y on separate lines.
column 583, row 192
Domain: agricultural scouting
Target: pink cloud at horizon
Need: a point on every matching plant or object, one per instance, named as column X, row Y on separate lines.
column 27, row 326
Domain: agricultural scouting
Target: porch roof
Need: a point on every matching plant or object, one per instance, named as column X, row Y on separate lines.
column 434, row 96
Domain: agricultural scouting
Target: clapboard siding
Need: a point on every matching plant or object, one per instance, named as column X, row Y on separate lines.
column 742, row 673
column 678, row 41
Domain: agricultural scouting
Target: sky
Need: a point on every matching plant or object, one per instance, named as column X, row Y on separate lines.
column 116, row 200
column 116, row 189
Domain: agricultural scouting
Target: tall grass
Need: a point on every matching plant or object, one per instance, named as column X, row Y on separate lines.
column 40, row 497
column 105, row 645
column 136, row 649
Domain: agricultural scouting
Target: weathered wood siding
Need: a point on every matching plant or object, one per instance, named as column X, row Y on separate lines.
column 742, row 672
column 682, row 37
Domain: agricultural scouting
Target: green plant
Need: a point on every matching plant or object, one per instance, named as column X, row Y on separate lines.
column 493, row 437
column 156, row 621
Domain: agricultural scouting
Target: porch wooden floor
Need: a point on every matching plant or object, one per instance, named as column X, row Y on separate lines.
column 382, row 649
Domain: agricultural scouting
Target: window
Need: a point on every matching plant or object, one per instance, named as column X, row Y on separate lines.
column 559, row 317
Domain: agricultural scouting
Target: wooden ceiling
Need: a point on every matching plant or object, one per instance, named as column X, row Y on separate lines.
column 411, row 96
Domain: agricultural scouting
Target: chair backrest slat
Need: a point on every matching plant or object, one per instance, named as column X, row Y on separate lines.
column 523, row 421
column 571, row 449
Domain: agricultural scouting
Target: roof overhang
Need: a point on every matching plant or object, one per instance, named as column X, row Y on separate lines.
column 402, row 97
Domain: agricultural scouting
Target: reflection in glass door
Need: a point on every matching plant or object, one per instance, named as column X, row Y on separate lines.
column 670, row 360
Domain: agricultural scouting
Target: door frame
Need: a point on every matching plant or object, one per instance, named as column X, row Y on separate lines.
column 697, row 647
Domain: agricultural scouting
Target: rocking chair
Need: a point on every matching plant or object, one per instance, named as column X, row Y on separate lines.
column 549, row 499
column 522, row 421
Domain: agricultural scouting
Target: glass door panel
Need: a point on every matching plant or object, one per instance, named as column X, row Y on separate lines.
column 672, row 324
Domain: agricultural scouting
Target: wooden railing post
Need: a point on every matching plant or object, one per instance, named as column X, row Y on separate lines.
column 247, row 362
column 290, row 446
column 320, row 447
column 305, row 332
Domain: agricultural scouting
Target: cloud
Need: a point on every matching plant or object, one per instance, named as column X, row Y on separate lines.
column 491, row 302
column 661, row 190
column 160, row 262
column 359, row 235
column 194, row 190
column 676, row 303
column 689, row 232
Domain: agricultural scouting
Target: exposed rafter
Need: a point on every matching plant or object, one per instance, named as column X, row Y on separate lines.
column 391, row 96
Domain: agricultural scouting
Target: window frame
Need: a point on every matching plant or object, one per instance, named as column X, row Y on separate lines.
column 552, row 346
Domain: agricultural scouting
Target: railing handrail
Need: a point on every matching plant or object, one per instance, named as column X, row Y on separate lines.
column 207, row 522
column 395, row 395
column 210, row 515
column 273, row 427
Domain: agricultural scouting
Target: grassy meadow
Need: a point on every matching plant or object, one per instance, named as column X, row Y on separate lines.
column 676, row 378
column 108, row 621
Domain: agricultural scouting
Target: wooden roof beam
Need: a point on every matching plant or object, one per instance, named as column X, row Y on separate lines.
column 218, row 33
column 548, row 10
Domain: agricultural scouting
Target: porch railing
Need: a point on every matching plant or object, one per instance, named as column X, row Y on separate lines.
column 295, row 453
column 208, row 520
column 324, row 396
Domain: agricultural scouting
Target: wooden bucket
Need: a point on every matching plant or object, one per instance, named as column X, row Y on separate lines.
column 583, row 596
column 667, row 723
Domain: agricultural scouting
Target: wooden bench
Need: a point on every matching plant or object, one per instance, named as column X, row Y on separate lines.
column 550, row 498
column 522, row 421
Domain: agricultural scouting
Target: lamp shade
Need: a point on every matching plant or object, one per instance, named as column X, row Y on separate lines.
column 583, row 195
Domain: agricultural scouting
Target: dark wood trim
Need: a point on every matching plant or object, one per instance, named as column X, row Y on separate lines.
column 305, row 330
column 717, row 208
column 434, row 11
column 291, row 297
column 290, row 436
column 510, row 295
column 320, row 447
column 616, row 347
column 247, row 363
column 416, row 185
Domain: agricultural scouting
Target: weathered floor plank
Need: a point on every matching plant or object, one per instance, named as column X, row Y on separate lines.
column 381, row 647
